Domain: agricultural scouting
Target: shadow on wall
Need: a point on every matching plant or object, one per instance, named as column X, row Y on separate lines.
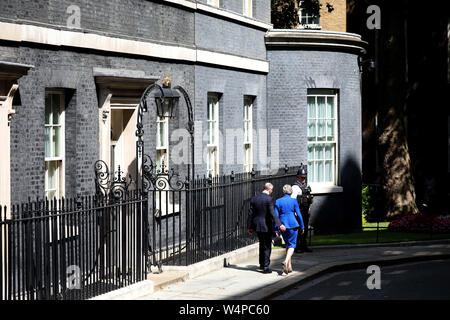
column 340, row 212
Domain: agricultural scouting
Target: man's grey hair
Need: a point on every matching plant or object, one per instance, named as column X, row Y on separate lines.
column 287, row 189
column 268, row 186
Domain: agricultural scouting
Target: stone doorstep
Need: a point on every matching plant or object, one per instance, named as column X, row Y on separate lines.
column 130, row 292
column 174, row 274
column 164, row 279
column 216, row 263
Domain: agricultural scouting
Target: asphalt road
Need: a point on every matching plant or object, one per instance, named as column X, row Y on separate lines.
column 421, row 280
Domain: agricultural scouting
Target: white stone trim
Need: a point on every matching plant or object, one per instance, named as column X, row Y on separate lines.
column 49, row 36
column 233, row 16
column 54, row 37
column 228, row 60
column 184, row 3
column 201, row 7
column 316, row 39
column 321, row 189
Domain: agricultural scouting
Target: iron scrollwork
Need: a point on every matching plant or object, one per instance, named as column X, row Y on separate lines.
column 159, row 178
column 114, row 187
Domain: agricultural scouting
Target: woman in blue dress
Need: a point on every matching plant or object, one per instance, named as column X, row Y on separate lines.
column 289, row 212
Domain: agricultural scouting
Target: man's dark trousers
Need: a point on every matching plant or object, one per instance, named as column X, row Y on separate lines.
column 302, row 238
column 265, row 248
column 261, row 219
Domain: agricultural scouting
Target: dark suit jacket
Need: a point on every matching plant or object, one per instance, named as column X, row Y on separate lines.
column 261, row 215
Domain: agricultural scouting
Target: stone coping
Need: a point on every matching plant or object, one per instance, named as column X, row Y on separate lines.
column 315, row 39
column 13, row 70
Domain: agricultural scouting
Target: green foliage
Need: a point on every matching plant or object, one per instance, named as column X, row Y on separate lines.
column 284, row 14
column 368, row 207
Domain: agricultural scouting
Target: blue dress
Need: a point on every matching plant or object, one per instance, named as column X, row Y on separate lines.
column 287, row 208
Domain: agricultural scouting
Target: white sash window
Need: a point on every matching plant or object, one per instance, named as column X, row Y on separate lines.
column 248, row 138
column 247, row 8
column 322, row 138
column 308, row 21
column 54, row 144
column 214, row 3
column 212, row 165
column 162, row 143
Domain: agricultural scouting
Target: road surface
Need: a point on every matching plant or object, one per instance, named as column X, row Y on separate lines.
column 421, row 280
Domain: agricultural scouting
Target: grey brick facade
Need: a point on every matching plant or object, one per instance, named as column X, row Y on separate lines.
column 279, row 96
column 232, row 86
column 292, row 74
column 223, row 36
column 135, row 19
column 62, row 70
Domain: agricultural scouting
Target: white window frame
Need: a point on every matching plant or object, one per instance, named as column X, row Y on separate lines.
column 162, row 150
column 214, row 3
column 60, row 160
column 213, row 135
column 335, row 167
column 307, row 16
column 164, row 198
column 247, row 8
column 248, row 143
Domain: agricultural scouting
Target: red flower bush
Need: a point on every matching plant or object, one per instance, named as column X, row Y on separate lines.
column 420, row 223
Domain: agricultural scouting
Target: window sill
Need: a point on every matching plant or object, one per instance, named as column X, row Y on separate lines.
column 310, row 27
column 318, row 189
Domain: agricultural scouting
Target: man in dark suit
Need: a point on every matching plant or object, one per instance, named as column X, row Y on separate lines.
column 261, row 218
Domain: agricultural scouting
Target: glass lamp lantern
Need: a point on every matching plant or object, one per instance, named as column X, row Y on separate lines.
column 167, row 100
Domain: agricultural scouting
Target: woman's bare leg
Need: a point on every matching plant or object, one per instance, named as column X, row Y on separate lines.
column 288, row 260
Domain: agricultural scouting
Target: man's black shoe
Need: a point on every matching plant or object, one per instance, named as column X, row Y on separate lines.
column 267, row 271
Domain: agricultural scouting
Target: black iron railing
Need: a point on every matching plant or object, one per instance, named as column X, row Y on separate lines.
column 83, row 247
column 71, row 248
column 216, row 217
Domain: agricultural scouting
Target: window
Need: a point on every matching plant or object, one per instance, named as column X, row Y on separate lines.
column 214, row 3
column 54, row 144
column 162, row 143
column 212, row 165
column 248, row 137
column 166, row 202
column 306, row 20
column 247, row 8
column 322, row 138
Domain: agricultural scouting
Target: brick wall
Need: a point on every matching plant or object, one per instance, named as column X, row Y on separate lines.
column 132, row 18
column 280, row 102
column 335, row 20
column 70, row 70
column 292, row 73
column 224, row 36
column 261, row 8
column 232, row 85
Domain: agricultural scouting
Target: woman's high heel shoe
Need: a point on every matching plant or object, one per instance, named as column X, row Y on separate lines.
column 285, row 270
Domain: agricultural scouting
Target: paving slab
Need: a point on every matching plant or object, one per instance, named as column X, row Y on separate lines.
column 242, row 280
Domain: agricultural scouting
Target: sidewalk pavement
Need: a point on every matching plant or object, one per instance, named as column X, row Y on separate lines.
column 242, row 281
